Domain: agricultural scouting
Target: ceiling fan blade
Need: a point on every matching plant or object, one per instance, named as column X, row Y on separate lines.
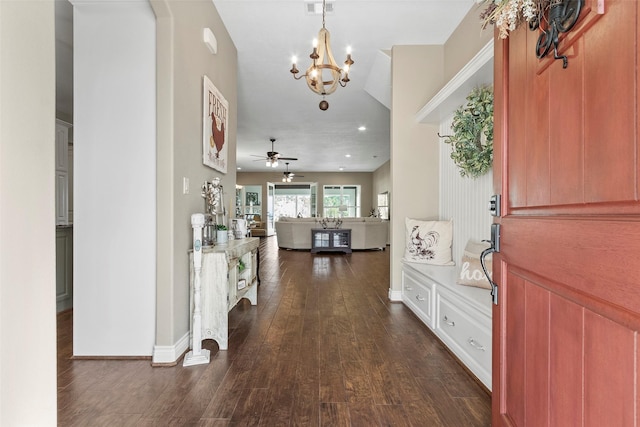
column 273, row 155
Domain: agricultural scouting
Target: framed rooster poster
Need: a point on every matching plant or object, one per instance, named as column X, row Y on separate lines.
column 215, row 123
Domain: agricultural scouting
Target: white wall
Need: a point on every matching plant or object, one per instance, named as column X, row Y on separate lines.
column 115, row 182
column 27, row 212
column 416, row 75
column 463, row 199
column 183, row 60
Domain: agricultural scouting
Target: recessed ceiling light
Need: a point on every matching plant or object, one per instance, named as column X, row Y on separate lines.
column 341, row 168
column 347, row 155
column 361, row 128
column 239, row 168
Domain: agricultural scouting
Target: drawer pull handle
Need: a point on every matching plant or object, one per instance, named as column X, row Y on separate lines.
column 419, row 298
column 408, row 288
column 475, row 345
column 446, row 320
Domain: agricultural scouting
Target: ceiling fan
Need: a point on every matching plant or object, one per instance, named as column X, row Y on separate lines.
column 288, row 176
column 273, row 156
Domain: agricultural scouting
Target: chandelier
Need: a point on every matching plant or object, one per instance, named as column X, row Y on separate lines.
column 323, row 75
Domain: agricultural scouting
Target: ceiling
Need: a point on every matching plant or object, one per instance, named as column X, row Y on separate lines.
column 271, row 104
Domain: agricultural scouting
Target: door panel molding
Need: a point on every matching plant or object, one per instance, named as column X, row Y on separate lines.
column 567, row 164
column 607, row 283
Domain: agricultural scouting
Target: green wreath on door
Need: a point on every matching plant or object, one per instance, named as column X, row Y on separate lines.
column 472, row 138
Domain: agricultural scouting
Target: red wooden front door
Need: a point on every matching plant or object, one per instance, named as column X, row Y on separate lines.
column 567, row 162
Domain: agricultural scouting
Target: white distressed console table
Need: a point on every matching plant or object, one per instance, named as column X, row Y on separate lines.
column 229, row 273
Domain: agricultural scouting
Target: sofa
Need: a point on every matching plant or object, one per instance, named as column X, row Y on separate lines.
column 366, row 233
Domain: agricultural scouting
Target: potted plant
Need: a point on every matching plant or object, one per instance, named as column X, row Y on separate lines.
column 222, row 234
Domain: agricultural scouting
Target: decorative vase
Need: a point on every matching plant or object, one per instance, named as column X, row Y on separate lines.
column 222, row 236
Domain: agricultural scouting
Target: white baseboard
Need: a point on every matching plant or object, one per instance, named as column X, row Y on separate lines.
column 395, row 296
column 163, row 354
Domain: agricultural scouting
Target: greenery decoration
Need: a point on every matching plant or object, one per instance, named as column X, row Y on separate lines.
column 508, row 15
column 472, row 138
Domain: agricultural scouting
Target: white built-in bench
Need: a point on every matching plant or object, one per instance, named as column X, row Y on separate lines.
column 460, row 316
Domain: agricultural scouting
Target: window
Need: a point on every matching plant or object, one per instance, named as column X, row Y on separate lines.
column 383, row 205
column 292, row 206
column 341, row 201
column 293, row 200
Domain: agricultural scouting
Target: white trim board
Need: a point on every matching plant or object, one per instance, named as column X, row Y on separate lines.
column 164, row 354
column 477, row 72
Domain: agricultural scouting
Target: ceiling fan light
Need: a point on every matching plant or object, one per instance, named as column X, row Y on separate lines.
column 271, row 158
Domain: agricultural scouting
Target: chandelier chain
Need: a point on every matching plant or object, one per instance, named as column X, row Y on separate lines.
column 324, row 9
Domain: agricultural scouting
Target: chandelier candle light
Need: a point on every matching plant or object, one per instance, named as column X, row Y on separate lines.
column 324, row 75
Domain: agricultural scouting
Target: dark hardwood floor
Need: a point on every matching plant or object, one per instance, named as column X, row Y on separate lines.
column 323, row 347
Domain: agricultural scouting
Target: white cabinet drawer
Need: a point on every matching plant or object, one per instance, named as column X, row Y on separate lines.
column 419, row 297
column 466, row 332
column 460, row 316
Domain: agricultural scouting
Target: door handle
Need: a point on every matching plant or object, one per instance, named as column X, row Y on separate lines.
column 495, row 247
